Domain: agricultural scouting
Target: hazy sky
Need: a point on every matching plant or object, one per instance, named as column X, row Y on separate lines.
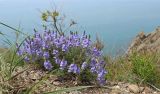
column 86, row 12
column 116, row 21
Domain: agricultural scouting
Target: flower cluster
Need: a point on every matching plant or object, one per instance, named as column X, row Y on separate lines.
column 71, row 53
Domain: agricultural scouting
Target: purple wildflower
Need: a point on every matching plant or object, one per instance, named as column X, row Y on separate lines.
column 57, row 60
column 62, row 39
column 74, row 68
column 101, row 76
column 19, row 52
column 101, row 81
column 55, row 52
column 93, row 69
column 63, row 64
column 71, row 68
column 96, row 52
column 53, row 35
column 37, row 41
column 57, row 43
column 93, row 62
column 26, row 59
column 47, row 38
column 64, row 47
column 46, row 55
column 101, row 63
column 27, row 50
column 85, row 43
column 39, row 53
column 101, row 73
column 48, row 65
column 70, row 43
column 45, row 45
column 77, row 43
column 84, row 65
column 75, row 37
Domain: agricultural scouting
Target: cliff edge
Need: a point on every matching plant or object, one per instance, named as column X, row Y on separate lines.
column 146, row 43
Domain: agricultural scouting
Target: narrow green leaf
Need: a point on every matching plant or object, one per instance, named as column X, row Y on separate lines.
column 68, row 89
column 1, row 23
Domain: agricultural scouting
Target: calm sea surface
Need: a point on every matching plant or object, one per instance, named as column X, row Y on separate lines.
column 116, row 22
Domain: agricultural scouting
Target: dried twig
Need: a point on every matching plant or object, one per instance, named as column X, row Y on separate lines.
column 153, row 87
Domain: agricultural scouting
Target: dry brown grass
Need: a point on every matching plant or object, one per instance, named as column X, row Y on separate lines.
column 119, row 69
column 2, row 50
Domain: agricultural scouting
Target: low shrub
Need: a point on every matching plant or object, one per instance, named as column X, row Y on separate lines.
column 71, row 53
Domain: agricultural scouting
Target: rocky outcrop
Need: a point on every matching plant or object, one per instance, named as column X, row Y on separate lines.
column 146, row 43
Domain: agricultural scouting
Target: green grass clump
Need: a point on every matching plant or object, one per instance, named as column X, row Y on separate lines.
column 146, row 68
column 135, row 68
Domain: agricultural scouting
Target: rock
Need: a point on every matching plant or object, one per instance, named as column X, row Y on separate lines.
column 56, row 83
column 133, row 88
column 141, row 89
column 35, row 75
column 116, row 87
column 145, row 43
column 115, row 91
column 147, row 90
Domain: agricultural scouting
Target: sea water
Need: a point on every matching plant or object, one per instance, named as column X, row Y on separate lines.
column 115, row 22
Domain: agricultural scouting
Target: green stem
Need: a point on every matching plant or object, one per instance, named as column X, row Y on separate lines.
column 12, row 28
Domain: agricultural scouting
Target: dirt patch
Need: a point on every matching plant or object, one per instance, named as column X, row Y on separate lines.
column 31, row 76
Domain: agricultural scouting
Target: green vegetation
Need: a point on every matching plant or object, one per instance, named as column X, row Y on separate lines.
column 137, row 68
column 119, row 69
column 143, row 69
column 146, row 68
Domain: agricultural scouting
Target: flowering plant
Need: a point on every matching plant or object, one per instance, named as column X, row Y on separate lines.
column 73, row 54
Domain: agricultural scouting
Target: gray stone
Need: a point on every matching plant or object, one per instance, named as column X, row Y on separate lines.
column 133, row 88
column 147, row 90
column 56, row 83
column 116, row 87
column 115, row 91
column 141, row 89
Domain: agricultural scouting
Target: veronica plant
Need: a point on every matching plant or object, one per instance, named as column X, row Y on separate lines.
column 71, row 53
